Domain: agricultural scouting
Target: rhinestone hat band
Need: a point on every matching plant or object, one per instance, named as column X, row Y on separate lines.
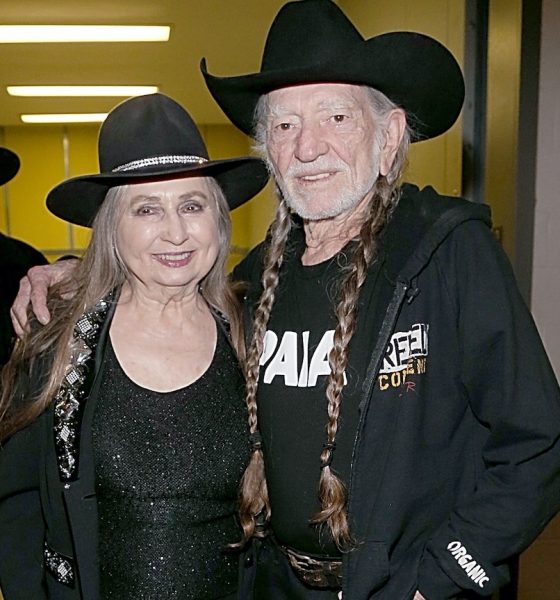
column 154, row 161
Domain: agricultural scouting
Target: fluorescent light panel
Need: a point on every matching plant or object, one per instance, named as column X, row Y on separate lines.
column 80, row 90
column 28, row 34
column 64, row 118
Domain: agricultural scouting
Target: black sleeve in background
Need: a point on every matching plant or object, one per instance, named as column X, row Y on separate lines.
column 250, row 267
column 16, row 258
column 513, row 391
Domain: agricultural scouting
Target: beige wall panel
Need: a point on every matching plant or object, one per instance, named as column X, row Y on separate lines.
column 538, row 568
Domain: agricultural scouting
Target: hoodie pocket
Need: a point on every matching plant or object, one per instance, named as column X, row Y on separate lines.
column 372, row 569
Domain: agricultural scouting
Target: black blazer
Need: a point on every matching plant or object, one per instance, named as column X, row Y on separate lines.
column 48, row 527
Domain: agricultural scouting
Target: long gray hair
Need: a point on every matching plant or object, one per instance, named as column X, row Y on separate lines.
column 254, row 499
column 100, row 272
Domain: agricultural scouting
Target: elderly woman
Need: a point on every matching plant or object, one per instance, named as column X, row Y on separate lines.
column 122, row 420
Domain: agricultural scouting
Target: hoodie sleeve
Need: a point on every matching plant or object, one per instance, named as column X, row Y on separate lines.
column 513, row 392
column 22, row 529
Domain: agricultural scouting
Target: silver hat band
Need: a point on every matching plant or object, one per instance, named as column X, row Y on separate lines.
column 174, row 159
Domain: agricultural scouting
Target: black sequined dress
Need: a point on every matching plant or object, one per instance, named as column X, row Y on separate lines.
column 167, row 471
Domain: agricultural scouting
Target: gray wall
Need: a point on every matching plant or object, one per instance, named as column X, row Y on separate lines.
column 545, row 297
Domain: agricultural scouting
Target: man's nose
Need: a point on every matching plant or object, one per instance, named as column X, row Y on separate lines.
column 310, row 143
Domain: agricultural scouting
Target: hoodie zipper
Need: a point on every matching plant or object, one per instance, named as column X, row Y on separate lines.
column 385, row 332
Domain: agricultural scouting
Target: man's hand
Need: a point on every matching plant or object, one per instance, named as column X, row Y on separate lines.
column 34, row 287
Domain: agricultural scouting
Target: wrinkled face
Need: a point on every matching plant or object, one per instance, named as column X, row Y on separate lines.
column 322, row 145
column 167, row 235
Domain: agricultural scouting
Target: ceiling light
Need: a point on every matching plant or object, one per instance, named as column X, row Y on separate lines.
column 19, row 34
column 65, row 118
column 81, row 90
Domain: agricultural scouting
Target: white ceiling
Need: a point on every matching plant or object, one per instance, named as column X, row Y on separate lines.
column 229, row 33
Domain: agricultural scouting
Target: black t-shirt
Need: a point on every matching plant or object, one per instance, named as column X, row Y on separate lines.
column 292, row 404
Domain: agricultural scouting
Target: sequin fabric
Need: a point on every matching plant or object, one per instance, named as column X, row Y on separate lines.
column 167, row 471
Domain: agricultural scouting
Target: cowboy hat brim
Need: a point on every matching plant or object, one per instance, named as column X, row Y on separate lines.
column 77, row 200
column 9, row 165
column 415, row 71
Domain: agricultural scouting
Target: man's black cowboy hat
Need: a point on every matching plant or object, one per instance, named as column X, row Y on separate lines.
column 9, row 165
column 312, row 41
column 152, row 137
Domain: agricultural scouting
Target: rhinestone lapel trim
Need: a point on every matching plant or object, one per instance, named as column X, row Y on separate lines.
column 59, row 566
column 69, row 400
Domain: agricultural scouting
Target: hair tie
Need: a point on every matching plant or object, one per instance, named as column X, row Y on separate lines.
column 256, row 441
column 330, row 446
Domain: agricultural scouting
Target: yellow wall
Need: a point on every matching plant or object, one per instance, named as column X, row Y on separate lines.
column 41, row 151
column 435, row 162
column 504, row 49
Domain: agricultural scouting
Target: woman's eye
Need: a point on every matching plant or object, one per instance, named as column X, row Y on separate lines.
column 339, row 118
column 192, row 207
column 145, row 210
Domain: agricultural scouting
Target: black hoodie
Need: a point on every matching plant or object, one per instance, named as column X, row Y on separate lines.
column 456, row 461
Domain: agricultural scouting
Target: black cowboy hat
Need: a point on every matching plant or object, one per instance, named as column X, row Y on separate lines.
column 151, row 137
column 9, row 165
column 312, row 41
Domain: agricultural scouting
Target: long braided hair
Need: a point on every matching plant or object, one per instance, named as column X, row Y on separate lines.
column 254, row 502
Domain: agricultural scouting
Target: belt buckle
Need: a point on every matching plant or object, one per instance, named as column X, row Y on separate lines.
column 314, row 572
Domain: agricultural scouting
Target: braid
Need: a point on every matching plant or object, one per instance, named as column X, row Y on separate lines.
column 253, row 491
column 332, row 491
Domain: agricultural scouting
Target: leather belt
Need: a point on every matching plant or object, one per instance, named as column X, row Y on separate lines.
column 314, row 572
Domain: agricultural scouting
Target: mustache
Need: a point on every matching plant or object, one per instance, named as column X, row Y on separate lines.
column 319, row 166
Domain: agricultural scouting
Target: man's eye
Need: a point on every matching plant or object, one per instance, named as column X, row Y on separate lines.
column 339, row 118
column 283, row 126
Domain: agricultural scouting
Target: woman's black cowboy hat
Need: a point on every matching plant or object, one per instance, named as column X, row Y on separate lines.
column 151, row 137
column 312, row 41
column 9, row 165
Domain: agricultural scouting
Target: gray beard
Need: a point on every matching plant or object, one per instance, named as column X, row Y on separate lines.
column 346, row 202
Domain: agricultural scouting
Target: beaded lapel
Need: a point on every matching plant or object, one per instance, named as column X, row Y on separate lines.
column 70, row 398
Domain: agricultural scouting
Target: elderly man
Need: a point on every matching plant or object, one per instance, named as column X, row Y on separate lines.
column 404, row 418
column 398, row 393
